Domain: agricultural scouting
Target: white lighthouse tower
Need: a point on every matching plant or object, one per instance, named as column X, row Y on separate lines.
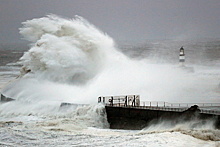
column 182, row 56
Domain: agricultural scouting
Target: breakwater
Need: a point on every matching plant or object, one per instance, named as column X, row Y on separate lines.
column 127, row 113
column 139, row 118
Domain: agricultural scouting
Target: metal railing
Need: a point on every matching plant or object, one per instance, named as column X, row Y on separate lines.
column 127, row 100
column 151, row 108
column 210, row 112
column 133, row 101
column 177, row 105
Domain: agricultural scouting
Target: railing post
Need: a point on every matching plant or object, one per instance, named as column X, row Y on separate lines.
column 126, row 101
column 119, row 101
column 99, row 99
column 133, row 102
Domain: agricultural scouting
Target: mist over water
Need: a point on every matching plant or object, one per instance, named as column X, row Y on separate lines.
column 70, row 60
column 73, row 61
column 65, row 55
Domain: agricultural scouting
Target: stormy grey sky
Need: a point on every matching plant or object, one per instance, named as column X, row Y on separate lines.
column 137, row 20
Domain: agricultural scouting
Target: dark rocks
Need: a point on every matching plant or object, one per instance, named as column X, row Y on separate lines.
column 6, row 99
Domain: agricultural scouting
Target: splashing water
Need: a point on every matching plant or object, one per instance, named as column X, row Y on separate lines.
column 65, row 50
column 65, row 54
column 72, row 61
column 203, row 130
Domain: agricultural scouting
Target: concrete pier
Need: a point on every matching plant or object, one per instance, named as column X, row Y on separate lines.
column 139, row 118
column 126, row 112
column 135, row 117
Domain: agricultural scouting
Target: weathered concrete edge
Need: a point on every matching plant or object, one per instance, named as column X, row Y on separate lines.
column 136, row 119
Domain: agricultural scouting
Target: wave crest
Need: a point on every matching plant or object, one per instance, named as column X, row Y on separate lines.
column 64, row 50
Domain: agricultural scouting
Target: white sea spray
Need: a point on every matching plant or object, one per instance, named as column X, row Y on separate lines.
column 72, row 61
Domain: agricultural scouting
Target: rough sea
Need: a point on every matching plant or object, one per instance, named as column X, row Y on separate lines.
column 72, row 61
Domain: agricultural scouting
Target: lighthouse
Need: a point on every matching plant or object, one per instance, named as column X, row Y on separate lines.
column 182, row 56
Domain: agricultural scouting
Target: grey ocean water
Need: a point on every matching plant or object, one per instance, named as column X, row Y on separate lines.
column 72, row 61
column 87, row 126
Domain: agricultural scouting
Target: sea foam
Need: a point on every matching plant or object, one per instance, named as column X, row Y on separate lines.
column 70, row 60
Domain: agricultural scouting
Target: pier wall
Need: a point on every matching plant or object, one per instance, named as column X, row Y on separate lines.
column 137, row 118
